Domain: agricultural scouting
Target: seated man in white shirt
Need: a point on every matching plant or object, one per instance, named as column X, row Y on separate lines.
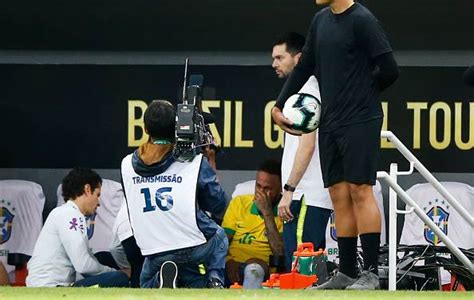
column 62, row 247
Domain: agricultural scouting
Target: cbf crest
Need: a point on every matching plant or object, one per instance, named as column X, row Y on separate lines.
column 440, row 216
column 90, row 221
column 6, row 220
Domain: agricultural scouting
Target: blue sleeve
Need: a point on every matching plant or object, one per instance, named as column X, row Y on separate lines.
column 210, row 194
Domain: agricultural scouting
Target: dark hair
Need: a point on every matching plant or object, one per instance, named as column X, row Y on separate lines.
column 160, row 120
column 74, row 182
column 294, row 42
column 270, row 166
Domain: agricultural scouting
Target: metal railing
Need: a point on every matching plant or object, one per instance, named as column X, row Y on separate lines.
column 391, row 180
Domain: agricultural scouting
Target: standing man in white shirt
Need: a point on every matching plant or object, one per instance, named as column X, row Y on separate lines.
column 301, row 170
column 62, row 247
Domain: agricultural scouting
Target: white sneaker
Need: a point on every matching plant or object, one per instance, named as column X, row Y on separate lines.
column 366, row 281
column 168, row 275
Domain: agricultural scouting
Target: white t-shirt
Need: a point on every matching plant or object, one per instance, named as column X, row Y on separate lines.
column 21, row 219
column 442, row 214
column 99, row 226
column 122, row 227
column 162, row 208
column 415, row 232
column 331, row 235
column 62, row 250
column 311, row 184
column 121, row 231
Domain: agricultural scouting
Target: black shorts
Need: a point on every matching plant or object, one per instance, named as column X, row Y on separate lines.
column 351, row 153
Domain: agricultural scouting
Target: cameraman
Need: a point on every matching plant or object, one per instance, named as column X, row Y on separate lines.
column 165, row 200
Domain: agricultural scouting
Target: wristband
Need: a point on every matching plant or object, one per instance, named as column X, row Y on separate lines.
column 289, row 188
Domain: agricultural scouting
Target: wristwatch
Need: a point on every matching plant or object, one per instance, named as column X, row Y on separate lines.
column 289, row 188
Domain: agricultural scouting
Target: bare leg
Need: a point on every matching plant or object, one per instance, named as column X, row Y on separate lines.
column 346, row 228
column 368, row 222
column 366, row 210
column 346, row 223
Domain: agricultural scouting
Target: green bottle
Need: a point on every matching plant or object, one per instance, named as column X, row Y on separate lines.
column 310, row 262
column 305, row 265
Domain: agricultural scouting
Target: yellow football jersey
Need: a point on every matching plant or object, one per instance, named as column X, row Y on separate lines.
column 243, row 220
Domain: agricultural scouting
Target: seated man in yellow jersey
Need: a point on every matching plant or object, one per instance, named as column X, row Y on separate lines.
column 254, row 228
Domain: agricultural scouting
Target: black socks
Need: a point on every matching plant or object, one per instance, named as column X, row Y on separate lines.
column 370, row 251
column 347, row 255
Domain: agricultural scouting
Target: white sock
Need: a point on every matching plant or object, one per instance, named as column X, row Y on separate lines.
column 253, row 276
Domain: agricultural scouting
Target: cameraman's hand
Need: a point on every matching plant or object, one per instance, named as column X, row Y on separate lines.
column 283, row 122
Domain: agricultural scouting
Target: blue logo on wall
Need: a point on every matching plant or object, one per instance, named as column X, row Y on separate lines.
column 6, row 222
column 440, row 217
column 332, row 226
column 90, row 221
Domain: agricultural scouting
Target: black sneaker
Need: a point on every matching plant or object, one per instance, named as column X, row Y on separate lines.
column 168, row 275
column 214, row 283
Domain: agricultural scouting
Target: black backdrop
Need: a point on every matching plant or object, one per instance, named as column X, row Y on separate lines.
column 213, row 25
column 60, row 116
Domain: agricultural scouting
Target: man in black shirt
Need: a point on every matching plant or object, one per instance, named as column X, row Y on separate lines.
column 349, row 53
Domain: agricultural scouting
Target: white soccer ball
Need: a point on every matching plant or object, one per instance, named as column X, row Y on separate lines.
column 304, row 110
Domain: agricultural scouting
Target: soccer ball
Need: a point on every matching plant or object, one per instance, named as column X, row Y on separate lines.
column 304, row 110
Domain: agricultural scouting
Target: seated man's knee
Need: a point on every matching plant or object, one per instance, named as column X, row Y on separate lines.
column 254, row 274
column 256, row 269
column 259, row 262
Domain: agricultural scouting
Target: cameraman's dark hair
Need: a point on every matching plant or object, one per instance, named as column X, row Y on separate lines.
column 270, row 166
column 160, row 120
column 74, row 182
column 294, row 42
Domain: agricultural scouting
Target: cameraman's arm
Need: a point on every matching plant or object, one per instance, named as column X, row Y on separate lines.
column 210, row 153
column 211, row 197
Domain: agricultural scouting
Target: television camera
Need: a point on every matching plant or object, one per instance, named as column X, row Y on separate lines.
column 192, row 130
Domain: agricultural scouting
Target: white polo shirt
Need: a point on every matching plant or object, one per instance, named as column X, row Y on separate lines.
column 62, row 250
column 311, row 184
